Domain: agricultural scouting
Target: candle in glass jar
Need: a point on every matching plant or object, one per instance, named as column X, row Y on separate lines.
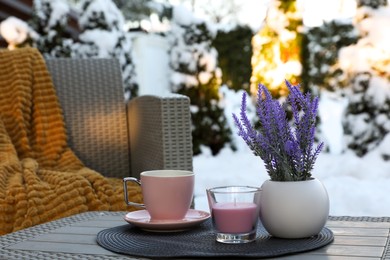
column 234, row 217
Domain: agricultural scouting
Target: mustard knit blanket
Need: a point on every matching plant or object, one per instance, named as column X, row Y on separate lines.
column 41, row 179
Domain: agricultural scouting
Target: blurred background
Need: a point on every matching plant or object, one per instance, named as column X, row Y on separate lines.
column 212, row 51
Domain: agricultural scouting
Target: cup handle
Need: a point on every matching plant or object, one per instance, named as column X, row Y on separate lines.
column 129, row 203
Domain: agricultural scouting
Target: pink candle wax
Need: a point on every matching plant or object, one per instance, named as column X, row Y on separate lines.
column 233, row 217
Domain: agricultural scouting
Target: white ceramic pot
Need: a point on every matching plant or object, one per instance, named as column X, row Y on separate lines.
column 294, row 209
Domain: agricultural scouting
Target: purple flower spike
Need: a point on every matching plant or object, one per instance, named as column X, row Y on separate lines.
column 287, row 151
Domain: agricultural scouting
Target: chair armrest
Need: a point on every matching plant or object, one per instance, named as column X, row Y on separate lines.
column 160, row 133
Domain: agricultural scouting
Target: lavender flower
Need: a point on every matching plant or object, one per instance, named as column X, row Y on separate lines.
column 287, row 151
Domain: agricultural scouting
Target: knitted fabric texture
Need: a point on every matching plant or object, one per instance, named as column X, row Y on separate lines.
column 41, row 179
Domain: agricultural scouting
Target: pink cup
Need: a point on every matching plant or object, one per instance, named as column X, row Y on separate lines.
column 167, row 194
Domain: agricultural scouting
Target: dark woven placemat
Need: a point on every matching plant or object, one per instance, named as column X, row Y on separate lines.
column 200, row 242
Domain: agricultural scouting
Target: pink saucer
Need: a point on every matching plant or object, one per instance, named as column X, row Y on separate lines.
column 141, row 218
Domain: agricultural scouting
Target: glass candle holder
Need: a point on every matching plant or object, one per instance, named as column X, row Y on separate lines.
column 235, row 213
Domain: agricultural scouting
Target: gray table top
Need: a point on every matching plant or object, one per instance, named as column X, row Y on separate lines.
column 356, row 238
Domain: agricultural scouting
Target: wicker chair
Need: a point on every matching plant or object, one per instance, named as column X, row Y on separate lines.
column 115, row 138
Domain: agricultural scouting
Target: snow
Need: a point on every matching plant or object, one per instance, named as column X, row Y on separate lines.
column 112, row 15
column 177, row 78
column 331, row 110
column 106, row 46
column 373, row 48
column 60, row 9
column 356, row 186
column 378, row 91
column 249, row 12
column 316, row 12
column 379, row 20
column 183, row 16
column 384, row 147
